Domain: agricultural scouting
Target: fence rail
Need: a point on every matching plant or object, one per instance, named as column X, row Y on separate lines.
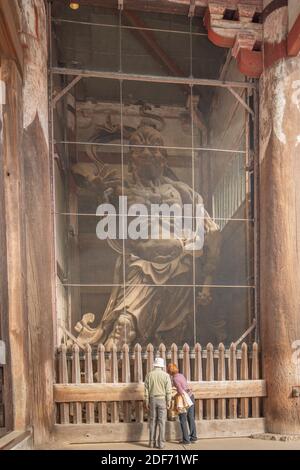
column 99, row 386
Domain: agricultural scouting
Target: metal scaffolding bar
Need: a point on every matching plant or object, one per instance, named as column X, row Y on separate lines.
column 165, row 147
column 150, row 78
column 65, row 90
column 240, row 99
column 103, row 25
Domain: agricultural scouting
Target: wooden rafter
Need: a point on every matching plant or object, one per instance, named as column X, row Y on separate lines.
column 151, row 43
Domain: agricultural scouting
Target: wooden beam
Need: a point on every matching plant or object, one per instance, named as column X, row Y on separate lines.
column 66, row 393
column 134, row 432
column 179, row 7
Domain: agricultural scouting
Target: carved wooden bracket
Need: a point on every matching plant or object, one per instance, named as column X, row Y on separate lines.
column 235, row 26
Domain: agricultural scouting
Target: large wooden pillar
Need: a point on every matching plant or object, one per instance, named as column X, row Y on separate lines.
column 40, row 272
column 26, row 235
column 280, row 222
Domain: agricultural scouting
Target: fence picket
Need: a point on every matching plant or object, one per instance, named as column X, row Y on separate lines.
column 221, row 376
column 174, row 354
column 76, row 379
column 101, row 375
column 232, row 376
column 186, row 368
column 244, row 376
column 198, row 378
column 210, row 404
column 114, row 379
column 90, row 407
column 150, row 353
column 126, row 379
column 162, row 354
column 64, row 408
column 255, row 376
column 138, row 377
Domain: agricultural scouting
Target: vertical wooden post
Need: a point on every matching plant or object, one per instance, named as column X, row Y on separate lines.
column 186, row 367
column 76, row 379
column 114, row 379
column 255, row 376
column 64, row 408
column 210, row 404
column 162, row 353
column 174, row 354
column 126, row 379
column 198, row 378
column 101, row 373
column 150, row 350
column 244, row 376
column 90, row 407
column 221, row 376
column 138, row 377
column 232, row 376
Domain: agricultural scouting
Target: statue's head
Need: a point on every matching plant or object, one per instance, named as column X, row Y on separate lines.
column 147, row 158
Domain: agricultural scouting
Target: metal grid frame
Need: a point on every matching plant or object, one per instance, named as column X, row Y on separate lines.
column 251, row 155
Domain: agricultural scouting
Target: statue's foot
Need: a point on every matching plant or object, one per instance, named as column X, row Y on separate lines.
column 87, row 334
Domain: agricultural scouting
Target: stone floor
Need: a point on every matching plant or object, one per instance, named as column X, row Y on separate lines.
column 202, row 444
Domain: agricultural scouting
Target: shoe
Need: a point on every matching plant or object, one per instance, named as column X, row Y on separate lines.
column 193, row 440
column 185, row 443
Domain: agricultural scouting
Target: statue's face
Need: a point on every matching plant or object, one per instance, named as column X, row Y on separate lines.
column 122, row 327
column 147, row 162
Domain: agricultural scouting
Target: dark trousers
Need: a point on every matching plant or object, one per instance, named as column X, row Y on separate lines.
column 187, row 423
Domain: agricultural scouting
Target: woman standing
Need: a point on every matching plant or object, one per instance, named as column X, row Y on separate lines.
column 187, row 419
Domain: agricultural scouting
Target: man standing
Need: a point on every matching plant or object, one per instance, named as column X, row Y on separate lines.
column 158, row 392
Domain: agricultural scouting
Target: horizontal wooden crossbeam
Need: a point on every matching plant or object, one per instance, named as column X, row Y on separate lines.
column 137, row 432
column 96, row 392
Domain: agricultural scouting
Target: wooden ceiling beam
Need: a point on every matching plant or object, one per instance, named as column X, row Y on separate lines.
column 180, row 7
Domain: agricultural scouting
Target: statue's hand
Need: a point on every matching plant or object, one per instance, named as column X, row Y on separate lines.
column 109, row 177
column 204, row 297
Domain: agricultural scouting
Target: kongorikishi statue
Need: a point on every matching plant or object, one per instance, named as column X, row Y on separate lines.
column 147, row 304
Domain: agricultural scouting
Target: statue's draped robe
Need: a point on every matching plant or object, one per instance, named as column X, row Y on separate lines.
column 147, row 295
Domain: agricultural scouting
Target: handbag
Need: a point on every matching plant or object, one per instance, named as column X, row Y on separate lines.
column 183, row 402
column 187, row 400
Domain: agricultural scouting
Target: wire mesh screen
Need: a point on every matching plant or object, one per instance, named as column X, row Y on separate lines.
column 141, row 122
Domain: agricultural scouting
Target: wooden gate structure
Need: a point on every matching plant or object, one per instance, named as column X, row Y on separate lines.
column 99, row 394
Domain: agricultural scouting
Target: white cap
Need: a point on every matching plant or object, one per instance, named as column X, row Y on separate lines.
column 159, row 362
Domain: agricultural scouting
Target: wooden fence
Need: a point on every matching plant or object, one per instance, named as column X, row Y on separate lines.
column 98, row 386
column 2, row 411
